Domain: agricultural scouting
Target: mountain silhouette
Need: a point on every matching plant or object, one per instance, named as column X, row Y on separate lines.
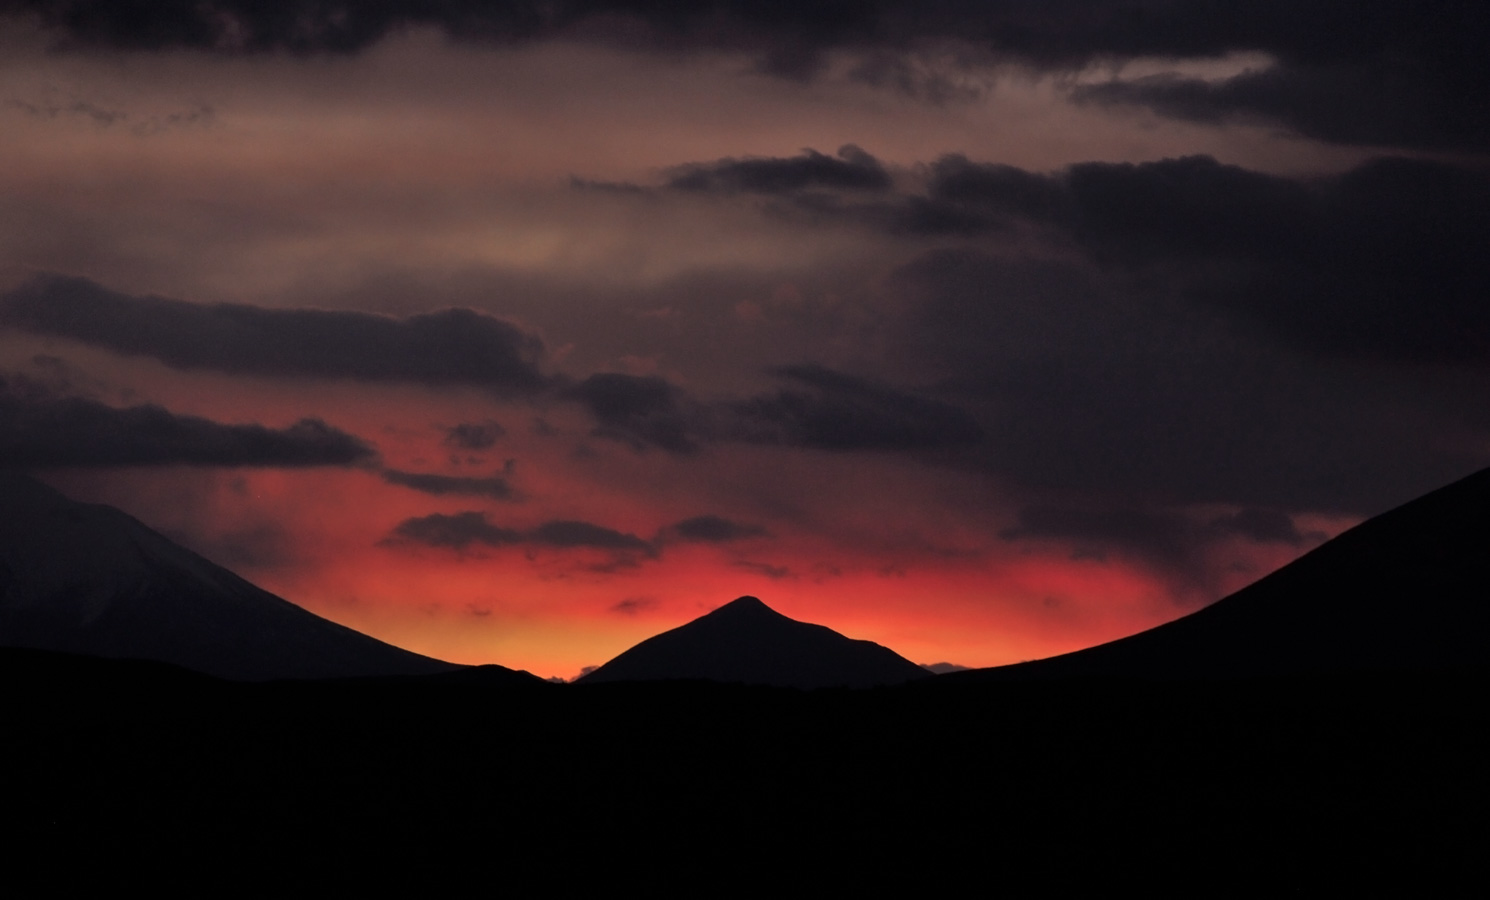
column 88, row 579
column 747, row 642
column 1406, row 590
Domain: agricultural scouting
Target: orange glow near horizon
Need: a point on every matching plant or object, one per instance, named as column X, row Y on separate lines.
column 917, row 563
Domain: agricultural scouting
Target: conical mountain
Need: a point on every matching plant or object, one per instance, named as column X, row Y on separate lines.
column 1406, row 590
column 88, row 579
column 747, row 642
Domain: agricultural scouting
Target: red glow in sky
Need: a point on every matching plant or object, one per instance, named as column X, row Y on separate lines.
column 940, row 343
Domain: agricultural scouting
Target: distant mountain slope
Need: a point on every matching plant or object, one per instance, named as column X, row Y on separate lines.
column 89, row 579
column 1408, row 589
column 747, row 642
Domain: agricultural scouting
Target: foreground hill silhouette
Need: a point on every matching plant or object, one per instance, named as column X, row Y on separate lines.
column 1319, row 781
column 88, row 579
column 747, row 642
column 1406, row 590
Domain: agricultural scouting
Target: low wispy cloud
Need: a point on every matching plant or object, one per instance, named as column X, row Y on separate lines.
column 817, row 408
column 41, row 430
column 494, row 487
column 448, row 347
column 850, row 170
column 463, row 530
column 711, row 529
column 474, row 435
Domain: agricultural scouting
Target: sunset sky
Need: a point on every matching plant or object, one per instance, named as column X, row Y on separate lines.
column 519, row 332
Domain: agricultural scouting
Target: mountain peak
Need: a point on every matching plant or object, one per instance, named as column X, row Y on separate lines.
column 744, row 606
column 747, row 642
column 89, row 579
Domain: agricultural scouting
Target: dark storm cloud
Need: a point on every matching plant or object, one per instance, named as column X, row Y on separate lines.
column 463, row 529
column 639, row 410
column 1383, row 262
column 1374, row 102
column 1409, row 73
column 38, row 430
column 569, row 533
column 820, row 409
column 800, row 30
column 828, row 410
column 495, row 487
column 474, row 435
column 852, row 170
column 811, row 186
column 456, row 531
column 1189, row 332
column 1102, row 382
column 453, row 346
column 997, row 190
column 713, row 530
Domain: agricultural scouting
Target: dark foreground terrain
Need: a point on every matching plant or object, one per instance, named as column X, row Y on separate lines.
column 127, row 774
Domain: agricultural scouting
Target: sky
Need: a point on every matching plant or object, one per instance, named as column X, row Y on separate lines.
column 520, row 332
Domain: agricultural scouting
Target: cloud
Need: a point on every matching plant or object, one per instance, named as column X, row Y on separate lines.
column 456, row 531
column 495, row 487
column 449, row 347
column 822, row 409
column 474, row 435
column 1409, row 73
column 992, row 189
column 776, row 573
column 461, row 530
column 630, row 607
column 712, row 529
column 828, row 410
column 1170, row 398
column 851, row 170
column 41, row 430
column 1381, row 262
column 312, row 26
column 568, row 533
column 639, row 410
column 1186, row 331
column 1338, row 101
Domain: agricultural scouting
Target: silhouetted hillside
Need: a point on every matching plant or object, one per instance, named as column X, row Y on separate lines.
column 1408, row 589
column 88, row 579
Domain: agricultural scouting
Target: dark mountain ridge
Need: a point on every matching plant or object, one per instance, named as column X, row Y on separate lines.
column 747, row 642
column 89, row 579
column 1405, row 590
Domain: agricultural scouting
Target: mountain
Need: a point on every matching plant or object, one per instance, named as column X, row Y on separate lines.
column 1406, row 590
column 747, row 642
column 88, row 579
